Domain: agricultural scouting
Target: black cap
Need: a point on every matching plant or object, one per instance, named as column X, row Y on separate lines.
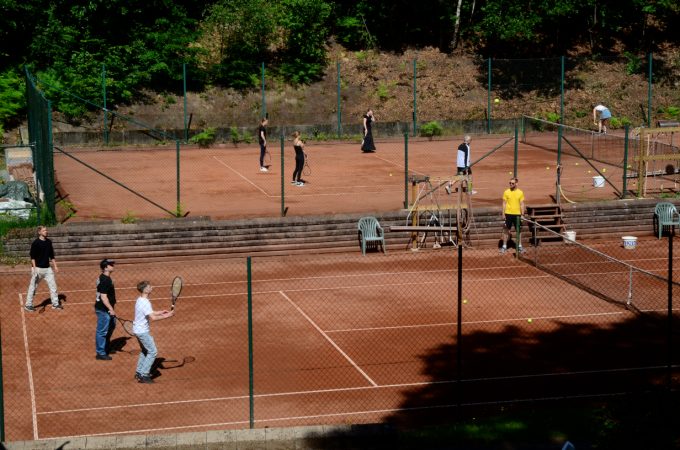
column 106, row 262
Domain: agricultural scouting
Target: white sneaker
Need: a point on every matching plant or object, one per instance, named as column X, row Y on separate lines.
column 299, row 183
column 474, row 192
column 448, row 189
column 502, row 250
column 264, row 169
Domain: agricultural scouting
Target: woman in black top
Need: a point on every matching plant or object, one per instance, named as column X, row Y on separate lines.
column 298, row 145
column 262, row 139
column 367, row 144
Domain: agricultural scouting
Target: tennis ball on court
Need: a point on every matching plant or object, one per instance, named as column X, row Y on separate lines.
column 529, row 320
column 390, row 173
column 464, row 301
column 604, row 170
column 589, row 171
column 498, row 100
column 576, row 164
column 547, row 168
column 509, row 173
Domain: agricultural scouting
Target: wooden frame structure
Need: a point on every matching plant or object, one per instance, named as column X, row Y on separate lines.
column 643, row 158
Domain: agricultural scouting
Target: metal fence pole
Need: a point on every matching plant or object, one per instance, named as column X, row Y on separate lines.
column 264, row 98
column 488, row 98
column 339, row 101
column 649, row 92
column 516, row 152
column 406, row 170
column 669, row 335
column 106, row 117
column 459, row 319
column 2, row 399
column 184, row 88
column 625, row 163
column 284, row 210
column 178, row 210
column 251, row 390
column 562, row 90
column 415, row 105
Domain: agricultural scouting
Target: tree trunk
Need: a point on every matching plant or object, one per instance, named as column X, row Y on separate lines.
column 456, row 26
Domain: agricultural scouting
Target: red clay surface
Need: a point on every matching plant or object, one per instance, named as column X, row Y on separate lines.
column 225, row 182
column 337, row 339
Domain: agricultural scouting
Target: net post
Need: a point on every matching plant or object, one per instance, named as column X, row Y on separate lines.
column 251, row 395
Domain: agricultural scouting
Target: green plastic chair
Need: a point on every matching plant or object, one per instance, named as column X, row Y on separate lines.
column 665, row 215
column 370, row 231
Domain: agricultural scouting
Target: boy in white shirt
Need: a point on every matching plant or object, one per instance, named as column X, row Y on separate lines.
column 144, row 314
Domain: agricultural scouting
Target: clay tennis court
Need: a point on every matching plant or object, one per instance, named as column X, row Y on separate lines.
column 225, row 182
column 337, row 339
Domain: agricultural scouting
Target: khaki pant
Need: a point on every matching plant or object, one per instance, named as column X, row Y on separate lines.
column 48, row 275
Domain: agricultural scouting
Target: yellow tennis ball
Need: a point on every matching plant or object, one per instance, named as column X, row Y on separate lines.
column 547, row 168
column 498, row 100
column 529, row 320
column 509, row 173
column 390, row 173
column 576, row 164
column 464, row 301
column 604, row 170
column 589, row 171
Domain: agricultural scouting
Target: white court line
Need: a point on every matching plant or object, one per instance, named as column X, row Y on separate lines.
column 475, row 322
column 345, row 389
column 309, row 319
column 242, row 176
column 31, row 386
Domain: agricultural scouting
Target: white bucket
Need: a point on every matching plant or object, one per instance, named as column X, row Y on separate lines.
column 629, row 242
column 598, row 181
column 569, row 237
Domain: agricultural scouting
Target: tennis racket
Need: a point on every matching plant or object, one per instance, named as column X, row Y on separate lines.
column 126, row 325
column 175, row 290
column 306, row 170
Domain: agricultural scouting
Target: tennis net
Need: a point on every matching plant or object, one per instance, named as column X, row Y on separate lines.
column 597, row 273
column 587, row 144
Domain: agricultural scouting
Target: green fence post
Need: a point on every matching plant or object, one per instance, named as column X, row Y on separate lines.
column 406, row 170
column 415, row 104
column 559, row 161
column 649, row 93
column 106, row 116
column 2, row 399
column 251, row 393
column 339, row 102
column 178, row 211
column 562, row 89
column 284, row 210
column 184, row 88
column 516, row 152
column 264, row 99
column 625, row 164
column 488, row 99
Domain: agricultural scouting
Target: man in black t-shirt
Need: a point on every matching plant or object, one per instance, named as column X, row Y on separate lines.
column 42, row 260
column 104, row 308
column 262, row 139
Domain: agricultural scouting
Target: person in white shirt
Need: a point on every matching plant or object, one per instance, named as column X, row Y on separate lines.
column 144, row 314
column 603, row 120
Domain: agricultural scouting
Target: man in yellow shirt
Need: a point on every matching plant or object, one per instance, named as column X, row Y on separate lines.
column 513, row 208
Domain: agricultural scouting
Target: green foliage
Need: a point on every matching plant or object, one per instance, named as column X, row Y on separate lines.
column 383, row 91
column 129, row 217
column 305, row 32
column 12, row 96
column 634, row 63
column 580, row 113
column 619, row 122
column 671, row 112
column 205, row 138
column 68, row 208
column 552, row 117
column 431, row 129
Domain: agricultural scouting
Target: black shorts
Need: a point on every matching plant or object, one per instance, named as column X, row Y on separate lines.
column 511, row 221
